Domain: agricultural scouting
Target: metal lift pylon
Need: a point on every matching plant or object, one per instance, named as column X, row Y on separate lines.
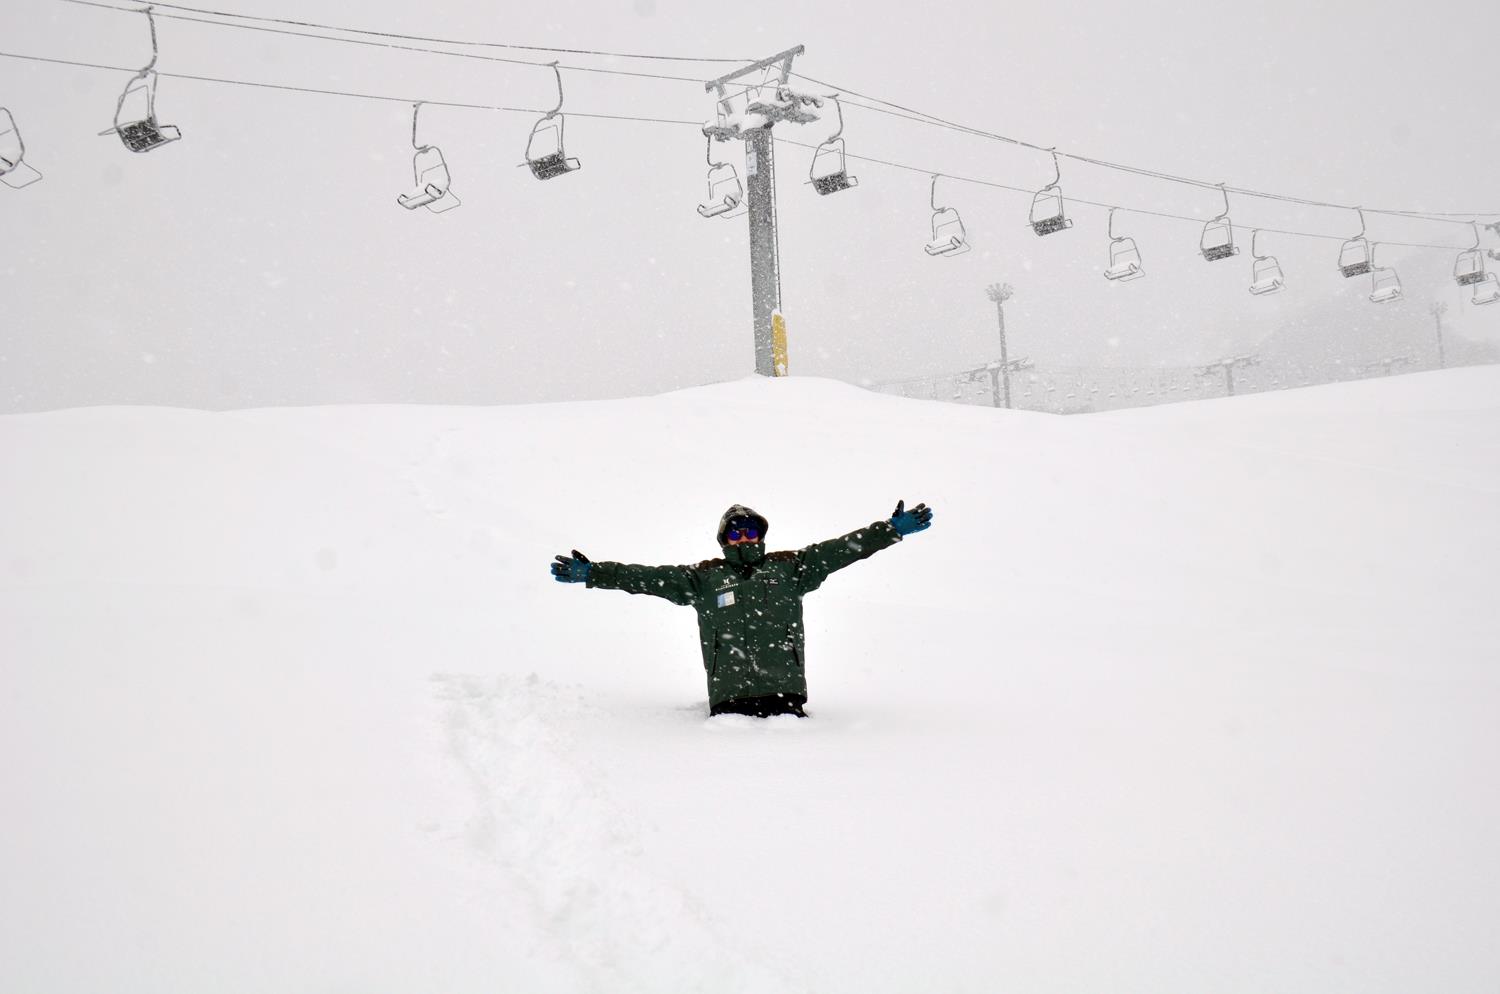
column 772, row 101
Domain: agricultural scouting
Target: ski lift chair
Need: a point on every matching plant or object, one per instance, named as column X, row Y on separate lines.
column 554, row 162
column 1385, row 285
column 1487, row 290
column 14, row 172
column 1047, row 214
column 829, row 171
column 431, row 177
column 1468, row 269
column 948, row 235
column 1265, row 274
column 135, row 113
column 549, row 159
column 432, row 183
column 135, row 116
column 1124, row 257
column 1217, row 241
column 725, row 191
column 1356, row 254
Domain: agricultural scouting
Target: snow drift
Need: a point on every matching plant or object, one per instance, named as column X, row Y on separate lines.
column 1193, row 698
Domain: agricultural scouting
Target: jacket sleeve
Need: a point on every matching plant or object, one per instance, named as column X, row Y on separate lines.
column 816, row 562
column 678, row 584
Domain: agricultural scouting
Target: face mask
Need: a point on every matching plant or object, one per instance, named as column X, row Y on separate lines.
column 745, row 554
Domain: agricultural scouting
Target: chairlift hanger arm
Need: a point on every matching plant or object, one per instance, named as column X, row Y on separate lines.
column 151, row 21
column 554, row 111
column 1225, row 192
column 1056, row 171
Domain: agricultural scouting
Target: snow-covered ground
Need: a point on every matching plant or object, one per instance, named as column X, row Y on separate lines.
column 1195, row 698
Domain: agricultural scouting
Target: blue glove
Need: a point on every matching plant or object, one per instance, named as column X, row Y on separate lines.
column 906, row 522
column 575, row 570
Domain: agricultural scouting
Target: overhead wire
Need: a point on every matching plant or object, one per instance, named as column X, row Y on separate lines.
column 439, row 41
column 387, row 45
column 923, row 117
column 679, row 122
column 900, row 110
column 1101, row 204
column 351, row 93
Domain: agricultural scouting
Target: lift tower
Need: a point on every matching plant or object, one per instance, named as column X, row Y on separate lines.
column 747, row 114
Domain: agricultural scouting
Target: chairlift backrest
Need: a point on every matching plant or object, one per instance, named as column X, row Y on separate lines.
column 1469, row 267
column 1266, row 276
column 551, row 160
column 432, row 183
column 1047, row 216
column 135, row 116
column 829, row 171
column 948, row 234
column 1385, row 285
column 1217, row 241
column 1124, row 260
column 725, row 191
column 1354, row 257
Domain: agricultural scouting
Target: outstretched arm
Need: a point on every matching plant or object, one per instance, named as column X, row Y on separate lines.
column 816, row 562
column 674, row 583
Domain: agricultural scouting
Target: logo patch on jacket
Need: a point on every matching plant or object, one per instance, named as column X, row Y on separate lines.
column 725, row 598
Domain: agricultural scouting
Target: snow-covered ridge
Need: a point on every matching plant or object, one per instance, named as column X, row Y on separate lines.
column 1187, row 698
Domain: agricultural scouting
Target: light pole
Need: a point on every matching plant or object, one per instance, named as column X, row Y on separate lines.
column 1227, row 365
column 1438, row 310
column 1000, row 293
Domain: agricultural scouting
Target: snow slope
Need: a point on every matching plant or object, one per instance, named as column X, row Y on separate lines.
column 1191, row 698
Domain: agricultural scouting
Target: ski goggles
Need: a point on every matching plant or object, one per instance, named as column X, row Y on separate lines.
column 742, row 533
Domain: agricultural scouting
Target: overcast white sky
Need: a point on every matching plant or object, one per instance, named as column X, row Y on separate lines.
column 263, row 260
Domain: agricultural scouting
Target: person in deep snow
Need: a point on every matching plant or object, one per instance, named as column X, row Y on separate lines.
column 749, row 603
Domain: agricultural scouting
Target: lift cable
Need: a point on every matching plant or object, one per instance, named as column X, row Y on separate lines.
column 657, row 120
column 907, row 113
column 922, row 117
column 388, row 45
column 1098, row 203
column 349, row 93
column 439, row 41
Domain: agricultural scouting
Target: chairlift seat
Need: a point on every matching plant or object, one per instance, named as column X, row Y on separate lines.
column 1124, row 266
column 719, row 207
column 1487, row 290
column 550, row 166
column 1051, row 225
column 834, row 182
column 143, row 136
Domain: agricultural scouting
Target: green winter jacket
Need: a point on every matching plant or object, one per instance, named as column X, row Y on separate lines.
column 749, row 605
